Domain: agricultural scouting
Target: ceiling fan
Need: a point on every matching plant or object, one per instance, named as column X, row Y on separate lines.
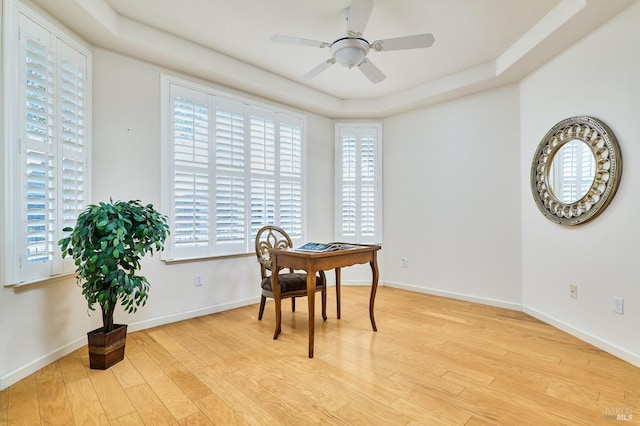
column 351, row 50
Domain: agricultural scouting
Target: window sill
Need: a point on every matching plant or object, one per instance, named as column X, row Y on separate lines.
column 205, row 259
column 52, row 278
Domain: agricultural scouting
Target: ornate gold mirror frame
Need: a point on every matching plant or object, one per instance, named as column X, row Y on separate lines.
column 605, row 166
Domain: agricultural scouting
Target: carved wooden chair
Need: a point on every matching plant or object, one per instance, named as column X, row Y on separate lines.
column 292, row 284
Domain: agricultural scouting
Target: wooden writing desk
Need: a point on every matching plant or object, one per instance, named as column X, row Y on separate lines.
column 312, row 262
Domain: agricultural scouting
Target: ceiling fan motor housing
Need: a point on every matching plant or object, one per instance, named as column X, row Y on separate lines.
column 349, row 51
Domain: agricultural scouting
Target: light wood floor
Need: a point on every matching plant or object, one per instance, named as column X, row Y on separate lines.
column 433, row 361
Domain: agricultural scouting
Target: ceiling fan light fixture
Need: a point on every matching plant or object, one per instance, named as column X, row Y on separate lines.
column 349, row 52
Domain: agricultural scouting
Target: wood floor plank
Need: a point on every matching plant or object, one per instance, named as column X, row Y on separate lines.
column 280, row 405
column 126, row 374
column 195, row 419
column 4, row 406
column 243, row 405
column 131, row 419
column 360, row 412
column 145, row 366
column 217, row 411
column 72, row 367
column 148, row 406
column 85, row 404
column 55, row 408
column 110, row 393
column 50, row 372
column 176, row 401
column 23, row 406
column 321, row 401
column 430, row 416
column 171, row 340
column 434, row 361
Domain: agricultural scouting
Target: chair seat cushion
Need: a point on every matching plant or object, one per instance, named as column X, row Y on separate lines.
column 295, row 281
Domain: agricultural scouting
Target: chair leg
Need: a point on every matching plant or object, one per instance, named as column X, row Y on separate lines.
column 293, row 304
column 278, row 303
column 261, row 311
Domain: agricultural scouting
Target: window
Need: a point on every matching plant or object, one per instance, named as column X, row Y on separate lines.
column 46, row 143
column 358, row 182
column 231, row 167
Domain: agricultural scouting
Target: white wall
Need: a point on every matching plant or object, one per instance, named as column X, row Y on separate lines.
column 452, row 199
column 457, row 205
column 40, row 323
column 598, row 77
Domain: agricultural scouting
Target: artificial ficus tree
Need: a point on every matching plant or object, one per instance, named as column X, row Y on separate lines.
column 107, row 243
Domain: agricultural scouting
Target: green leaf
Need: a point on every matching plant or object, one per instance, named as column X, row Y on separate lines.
column 116, row 253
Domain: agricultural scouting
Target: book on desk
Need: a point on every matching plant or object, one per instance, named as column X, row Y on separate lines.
column 323, row 247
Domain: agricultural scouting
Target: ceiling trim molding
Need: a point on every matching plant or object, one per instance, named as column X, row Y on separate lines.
column 538, row 45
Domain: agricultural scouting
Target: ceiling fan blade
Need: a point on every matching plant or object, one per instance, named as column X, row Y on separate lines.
column 372, row 72
column 297, row 40
column 317, row 70
column 407, row 42
column 358, row 17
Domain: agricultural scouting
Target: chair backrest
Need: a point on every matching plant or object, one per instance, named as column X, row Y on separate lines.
column 270, row 237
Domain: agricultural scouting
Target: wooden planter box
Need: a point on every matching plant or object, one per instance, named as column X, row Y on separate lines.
column 106, row 349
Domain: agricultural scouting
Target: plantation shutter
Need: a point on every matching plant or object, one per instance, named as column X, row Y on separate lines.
column 358, row 192
column 290, row 132
column 263, row 168
column 368, row 175
column 53, row 147
column 230, row 178
column 348, row 200
column 73, row 149
column 37, row 78
column 231, row 167
column 190, row 214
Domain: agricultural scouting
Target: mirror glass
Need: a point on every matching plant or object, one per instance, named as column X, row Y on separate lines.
column 576, row 170
column 572, row 171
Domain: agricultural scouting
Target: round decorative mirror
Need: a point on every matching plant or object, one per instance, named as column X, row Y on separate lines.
column 576, row 170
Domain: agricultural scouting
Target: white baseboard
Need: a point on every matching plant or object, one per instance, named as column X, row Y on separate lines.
column 621, row 353
column 168, row 319
column 460, row 296
column 30, row 368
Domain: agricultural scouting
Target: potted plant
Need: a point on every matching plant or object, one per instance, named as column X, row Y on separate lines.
column 107, row 243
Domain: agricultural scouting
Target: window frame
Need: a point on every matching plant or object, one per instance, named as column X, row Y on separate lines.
column 15, row 271
column 172, row 253
column 358, row 128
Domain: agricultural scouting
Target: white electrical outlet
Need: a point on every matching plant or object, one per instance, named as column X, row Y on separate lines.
column 405, row 262
column 618, row 305
column 573, row 291
column 197, row 280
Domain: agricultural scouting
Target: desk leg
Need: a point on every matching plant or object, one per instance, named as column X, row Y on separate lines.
column 374, row 288
column 338, row 291
column 311, row 298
